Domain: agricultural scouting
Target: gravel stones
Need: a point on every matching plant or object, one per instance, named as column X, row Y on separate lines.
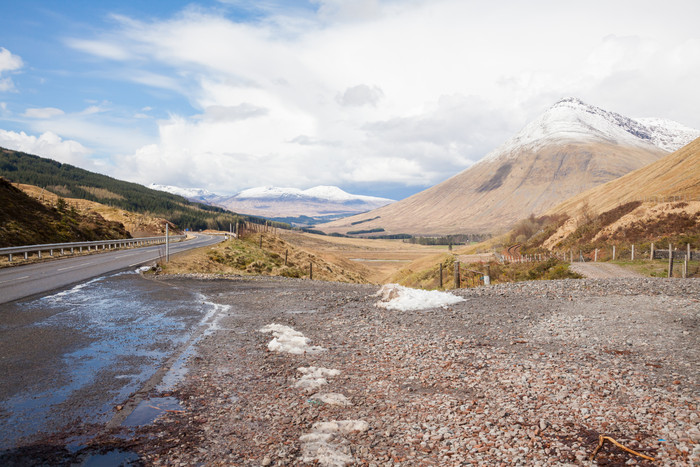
column 517, row 374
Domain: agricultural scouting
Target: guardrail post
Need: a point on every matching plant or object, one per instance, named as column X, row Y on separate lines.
column 61, row 251
column 50, row 252
column 39, row 254
column 26, row 255
column 10, row 257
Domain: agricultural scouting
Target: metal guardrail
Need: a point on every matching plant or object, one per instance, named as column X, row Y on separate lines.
column 105, row 244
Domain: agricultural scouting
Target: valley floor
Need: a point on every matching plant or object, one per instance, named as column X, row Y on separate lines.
column 517, row 374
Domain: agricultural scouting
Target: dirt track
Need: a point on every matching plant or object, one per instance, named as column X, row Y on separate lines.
column 603, row 271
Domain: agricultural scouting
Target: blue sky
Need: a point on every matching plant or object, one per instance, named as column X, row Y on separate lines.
column 378, row 97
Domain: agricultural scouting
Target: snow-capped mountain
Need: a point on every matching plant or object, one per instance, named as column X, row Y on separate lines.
column 573, row 120
column 568, row 149
column 193, row 194
column 324, row 193
column 322, row 203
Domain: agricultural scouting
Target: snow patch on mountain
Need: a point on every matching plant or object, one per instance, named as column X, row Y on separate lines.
column 323, row 193
column 571, row 120
column 189, row 193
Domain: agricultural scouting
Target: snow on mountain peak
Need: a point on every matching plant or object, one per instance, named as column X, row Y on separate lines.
column 184, row 192
column 572, row 120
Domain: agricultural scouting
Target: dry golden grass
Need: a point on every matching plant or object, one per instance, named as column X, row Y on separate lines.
column 246, row 257
column 138, row 225
column 677, row 174
column 101, row 192
column 382, row 259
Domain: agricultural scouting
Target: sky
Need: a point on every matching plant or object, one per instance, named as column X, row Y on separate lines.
column 378, row 97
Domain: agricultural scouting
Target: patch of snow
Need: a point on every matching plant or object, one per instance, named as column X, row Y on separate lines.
column 396, row 297
column 288, row 340
column 326, row 445
column 332, row 398
column 314, row 377
column 667, row 134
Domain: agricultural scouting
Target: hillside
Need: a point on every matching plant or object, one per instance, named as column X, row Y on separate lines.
column 677, row 174
column 137, row 224
column 72, row 182
column 658, row 202
column 26, row 221
column 567, row 150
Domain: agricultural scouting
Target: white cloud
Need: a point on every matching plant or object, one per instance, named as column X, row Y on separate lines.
column 8, row 63
column 47, row 144
column 45, row 112
column 398, row 91
column 109, row 50
column 359, row 95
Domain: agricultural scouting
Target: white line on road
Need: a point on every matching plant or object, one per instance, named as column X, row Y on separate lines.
column 17, row 279
column 73, row 267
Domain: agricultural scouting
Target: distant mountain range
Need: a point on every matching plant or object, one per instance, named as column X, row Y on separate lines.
column 569, row 149
column 301, row 207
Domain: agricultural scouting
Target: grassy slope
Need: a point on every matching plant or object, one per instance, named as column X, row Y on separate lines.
column 246, row 257
column 26, row 221
column 677, row 174
column 138, row 224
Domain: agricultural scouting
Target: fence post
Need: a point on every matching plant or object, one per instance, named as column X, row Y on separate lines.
column 440, row 275
column 457, row 285
column 685, row 268
column 487, row 277
column 687, row 255
column 595, row 256
column 632, row 252
column 260, row 240
column 286, row 253
column 670, row 261
column 651, row 255
column 613, row 253
column 311, row 270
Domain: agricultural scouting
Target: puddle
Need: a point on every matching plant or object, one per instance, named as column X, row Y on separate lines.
column 150, row 409
column 115, row 458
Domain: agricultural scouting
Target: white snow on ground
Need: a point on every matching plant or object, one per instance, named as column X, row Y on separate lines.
column 326, row 445
column 332, row 398
column 396, row 297
column 314, row 377
column 288, row 340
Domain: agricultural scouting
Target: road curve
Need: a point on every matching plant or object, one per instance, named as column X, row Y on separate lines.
column 31, row 279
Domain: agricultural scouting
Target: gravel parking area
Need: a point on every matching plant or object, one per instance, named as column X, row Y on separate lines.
column 517, row 374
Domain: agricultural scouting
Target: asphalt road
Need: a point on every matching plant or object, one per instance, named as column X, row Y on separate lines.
column 31, row 279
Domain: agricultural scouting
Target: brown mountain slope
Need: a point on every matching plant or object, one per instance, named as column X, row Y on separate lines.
column 26, row 221
column 492, row 195
column 139, row 225
column 677, row 174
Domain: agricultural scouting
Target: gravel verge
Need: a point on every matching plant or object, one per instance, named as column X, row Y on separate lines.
column 517, row 374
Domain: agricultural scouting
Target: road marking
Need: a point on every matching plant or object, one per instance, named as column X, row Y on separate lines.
column 73, row 267
column 17, row 279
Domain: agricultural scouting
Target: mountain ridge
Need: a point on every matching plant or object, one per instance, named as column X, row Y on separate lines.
column 568, row 149
column 319, row 203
